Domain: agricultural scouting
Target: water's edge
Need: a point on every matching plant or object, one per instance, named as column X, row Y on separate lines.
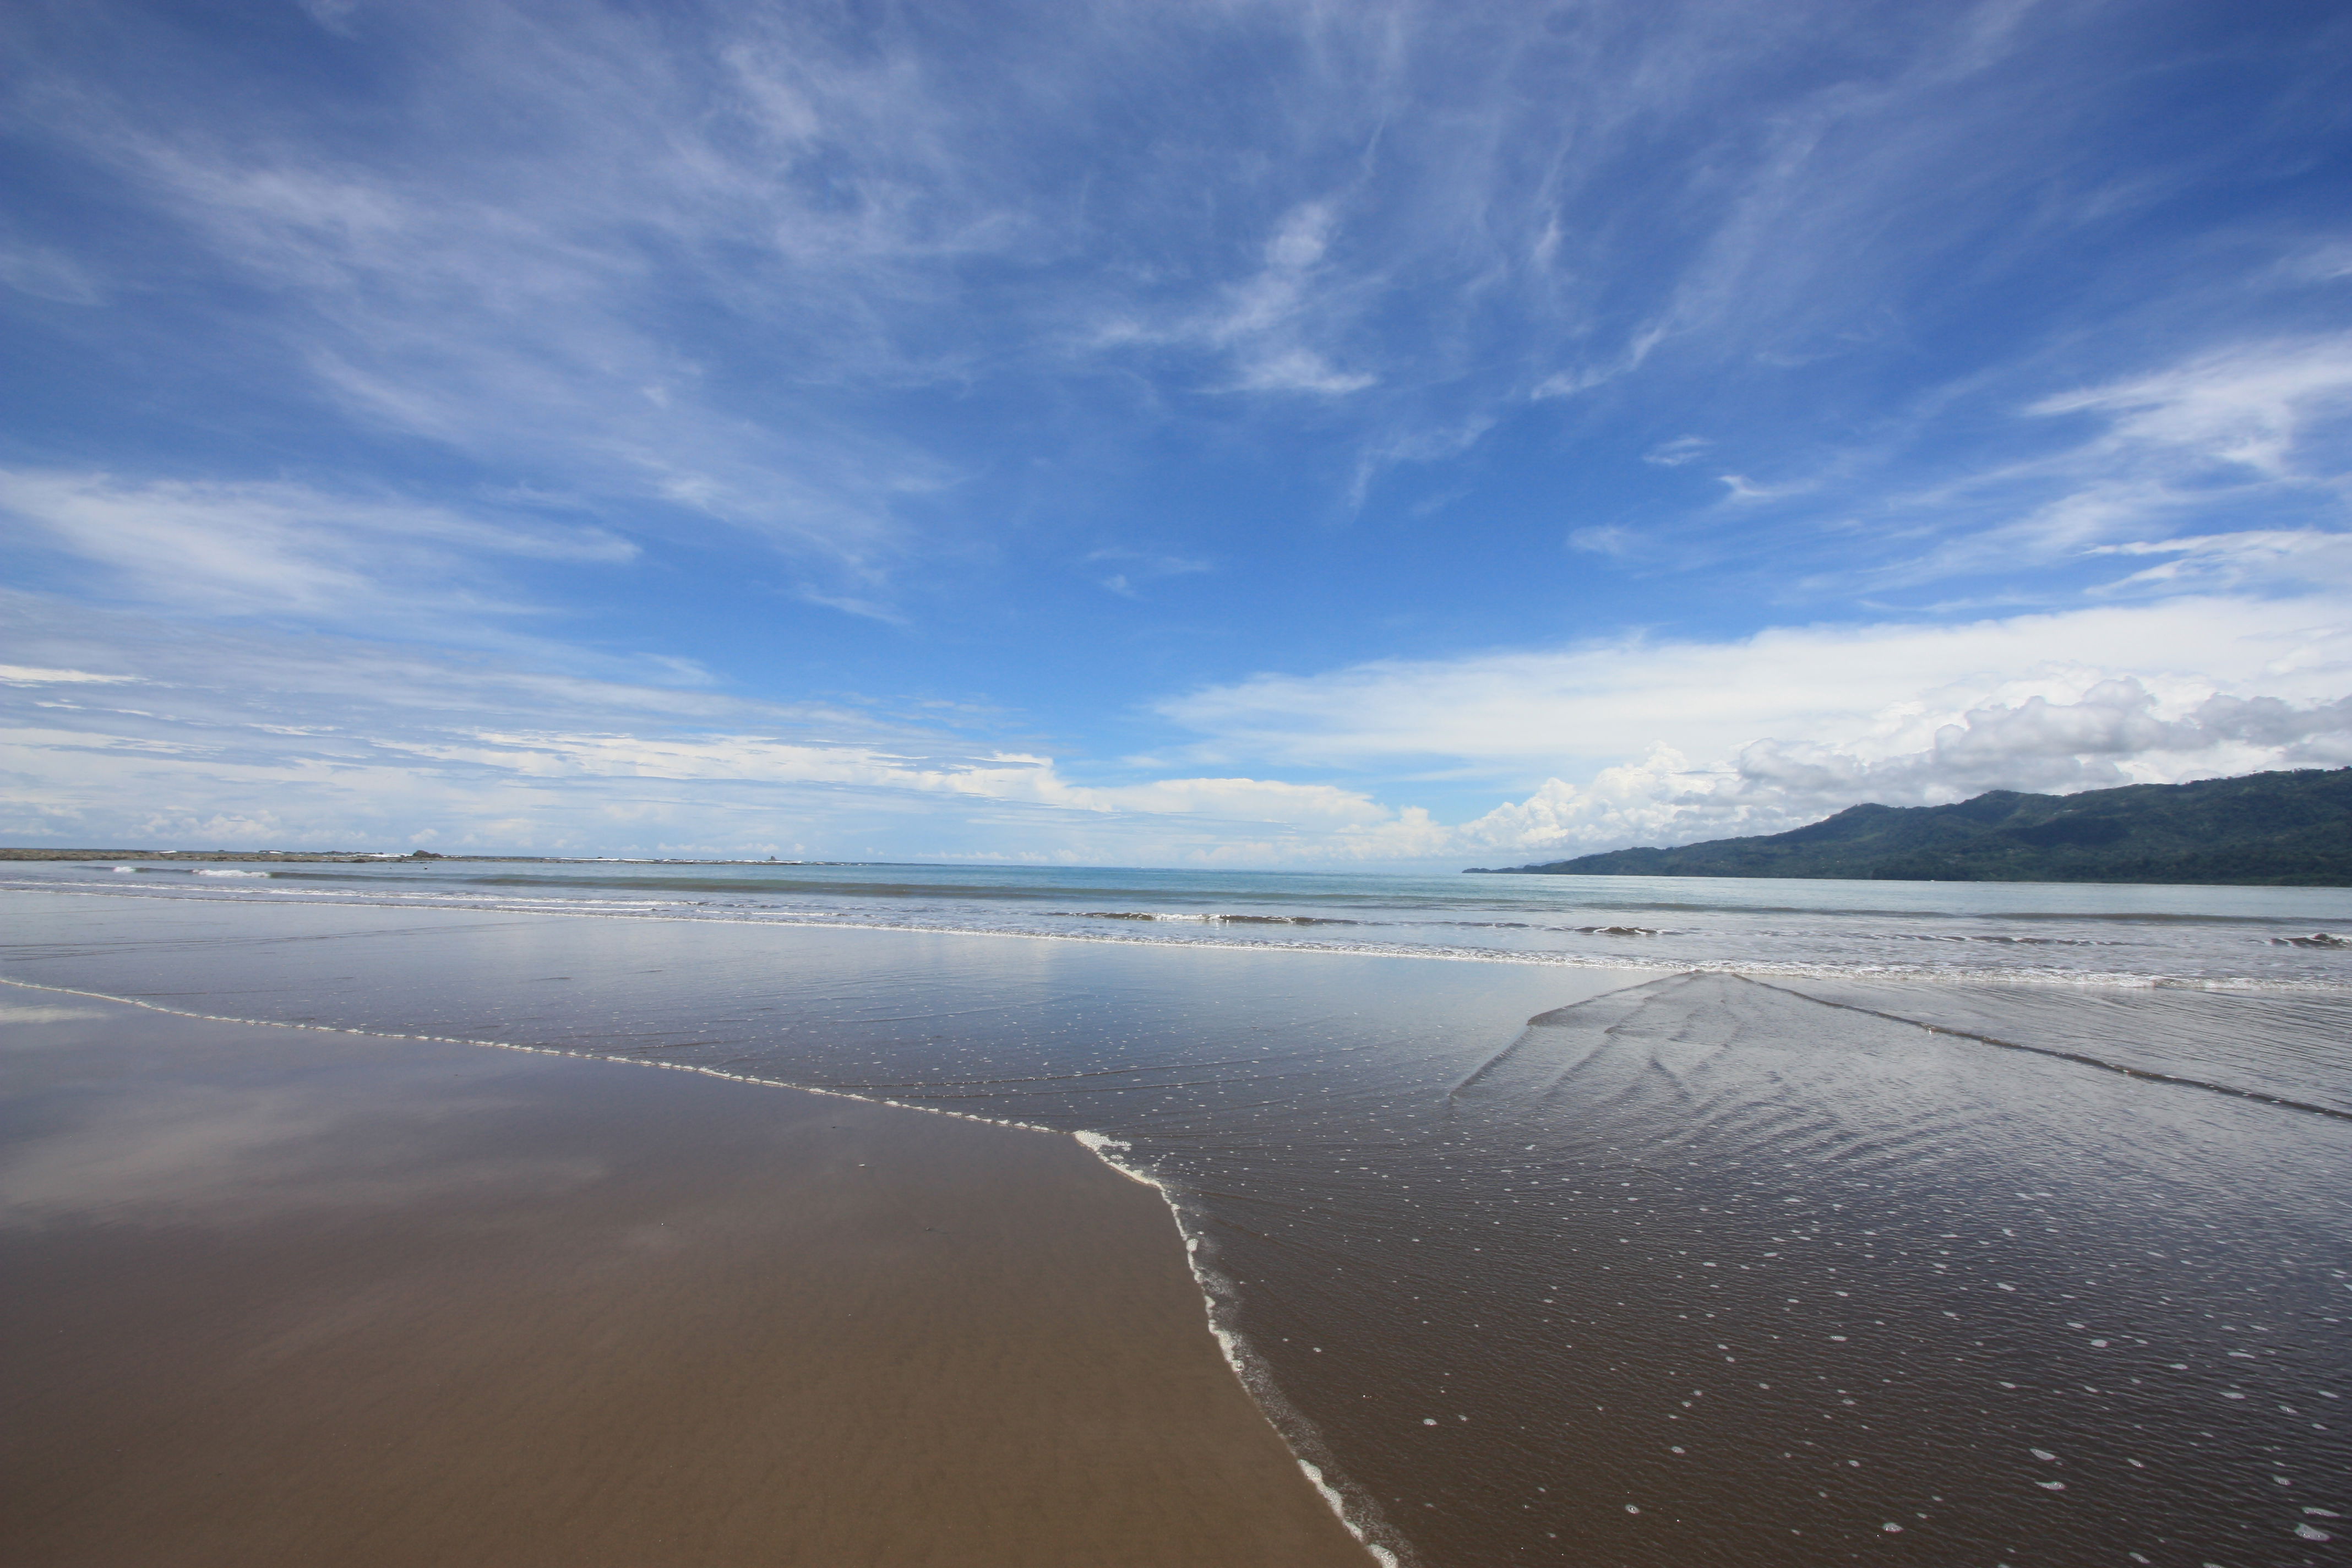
column 1351, row 1504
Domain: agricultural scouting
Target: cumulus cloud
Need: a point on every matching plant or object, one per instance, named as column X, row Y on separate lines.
column 1652, row 741
column 1594, row 705
column 2117, row 733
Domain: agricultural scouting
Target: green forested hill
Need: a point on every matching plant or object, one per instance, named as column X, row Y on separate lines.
column 2283, row 828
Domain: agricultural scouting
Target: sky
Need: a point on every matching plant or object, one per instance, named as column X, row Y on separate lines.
column 1250, row 433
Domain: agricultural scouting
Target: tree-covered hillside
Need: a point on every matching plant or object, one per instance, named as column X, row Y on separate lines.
column 2282, row 829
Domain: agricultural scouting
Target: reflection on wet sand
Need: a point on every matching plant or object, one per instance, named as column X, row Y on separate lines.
column 288, row 1296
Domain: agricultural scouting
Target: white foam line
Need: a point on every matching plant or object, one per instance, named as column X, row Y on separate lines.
column 1349, row 1503
column 808, row 921
column 1355, row 1509
column 2109, row 979
column 536, row 1051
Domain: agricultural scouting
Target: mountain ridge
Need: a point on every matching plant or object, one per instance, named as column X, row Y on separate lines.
column 2289, row 828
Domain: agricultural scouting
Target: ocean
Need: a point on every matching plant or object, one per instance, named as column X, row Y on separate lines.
column 1636, row 1221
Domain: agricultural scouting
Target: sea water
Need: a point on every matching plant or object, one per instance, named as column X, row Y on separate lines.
column 1672, row 1221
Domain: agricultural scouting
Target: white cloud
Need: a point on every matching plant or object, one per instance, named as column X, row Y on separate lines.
column 1146, row 565
column 48, row 274
column 283, row 549
column 1660, row 797
column 2119, row 732
column 722, row 243
column 1263, row 325
column 1682, row 449
column 503, row 299
column 1548, row 710
column 1292, row 368
column 1649, row 742
column 362, row 745
column 25, row 675
column 997, row 777
column 2265, row 557
column 1740, row 487
column 2254, row 429
column 256, row 739
column 335, row 16
column 2245, row 406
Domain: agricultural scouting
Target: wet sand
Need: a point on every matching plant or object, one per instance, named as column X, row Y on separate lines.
column 284, row 1296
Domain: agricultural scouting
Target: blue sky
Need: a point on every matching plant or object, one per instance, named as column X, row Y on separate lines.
column 1262, row 434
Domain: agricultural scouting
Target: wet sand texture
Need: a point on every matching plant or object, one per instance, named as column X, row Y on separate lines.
column 1699, row 1271
column 288, row 1296
column 1704, row 1273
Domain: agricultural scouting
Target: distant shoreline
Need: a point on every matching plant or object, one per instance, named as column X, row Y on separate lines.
column 382, row 857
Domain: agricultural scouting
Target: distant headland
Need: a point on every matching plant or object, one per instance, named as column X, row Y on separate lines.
column 2274, row 829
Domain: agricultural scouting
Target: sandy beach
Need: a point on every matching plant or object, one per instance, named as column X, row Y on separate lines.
column 288, row 1296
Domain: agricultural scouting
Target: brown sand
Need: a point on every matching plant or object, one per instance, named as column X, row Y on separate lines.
column 280, row 1296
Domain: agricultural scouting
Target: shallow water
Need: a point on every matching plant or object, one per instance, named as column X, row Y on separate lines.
column 2135, row 934
column 1700, row 1267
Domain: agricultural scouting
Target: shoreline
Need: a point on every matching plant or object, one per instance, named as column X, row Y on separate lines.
column 387, row 857
column 1193, row 1473
column 1577, row 963
column 1355, row 1513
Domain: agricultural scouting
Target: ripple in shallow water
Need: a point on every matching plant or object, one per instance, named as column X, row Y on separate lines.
column 1706, row 1271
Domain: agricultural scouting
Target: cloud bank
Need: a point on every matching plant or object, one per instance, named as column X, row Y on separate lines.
column 1672, row 742
column 133, row 730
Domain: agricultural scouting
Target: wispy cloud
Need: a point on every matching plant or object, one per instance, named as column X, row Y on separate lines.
column 777, row 351
column 48, row 274
column 1262, row 328
column 285, row 550
column 26, row 675
column 497, row 299
column 1146, row 566
column 2227, row 434
column 728, row 249
column 377, row 742
column 1673, row 453
column 2259, row 558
